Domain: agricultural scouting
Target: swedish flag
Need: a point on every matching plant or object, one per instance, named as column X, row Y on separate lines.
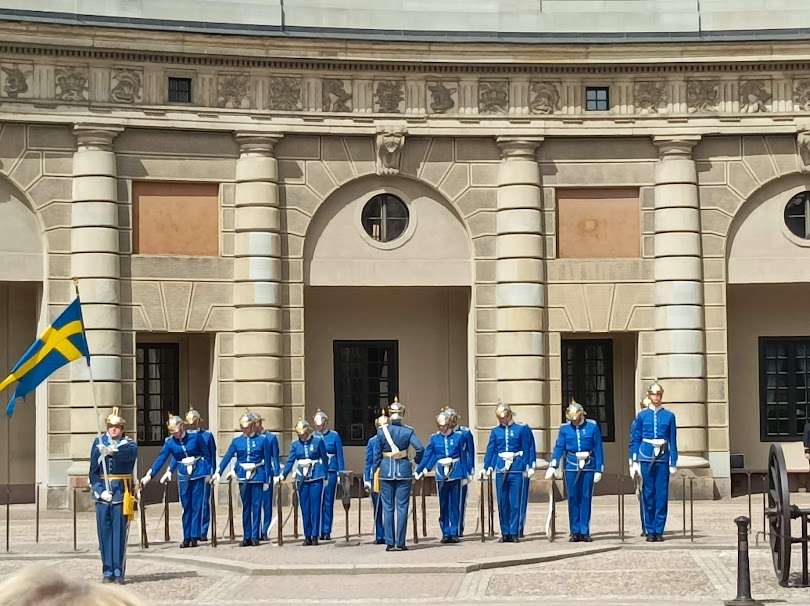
column 62, row 342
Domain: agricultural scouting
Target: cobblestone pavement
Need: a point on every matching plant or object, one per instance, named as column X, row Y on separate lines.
column 678, row 572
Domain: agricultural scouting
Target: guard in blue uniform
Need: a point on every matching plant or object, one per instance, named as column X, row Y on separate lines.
column 193, row 420
column 531, row 468
column 309, row 461
column 396, row 474
column 636, row 477
column 112, row 460
column 446, row 449
column 468, row 444
column 371, row 480
column 655, row 454
column 267, row 495
column 193, row 471
column 508, row 454
column 254, row 472
column 334, row 450
column 579, row 450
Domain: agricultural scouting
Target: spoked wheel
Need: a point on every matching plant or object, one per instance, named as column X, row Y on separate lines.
column 779, row 513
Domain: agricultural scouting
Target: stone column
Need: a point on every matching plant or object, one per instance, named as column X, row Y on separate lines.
column 94, row 239
column 257, row 347
column 520, row 292
column 679, row 314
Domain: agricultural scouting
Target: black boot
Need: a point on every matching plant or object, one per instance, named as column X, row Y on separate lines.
column 651, row 538
column 389, row 548
column 245, row 543
column 185, row 544
column 193, row 542
column 586, row 538
column 574, row 538
column 659, row 538
column 314, row 541
column 255, row 542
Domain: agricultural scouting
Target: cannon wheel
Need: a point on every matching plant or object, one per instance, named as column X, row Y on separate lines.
column 779, row 513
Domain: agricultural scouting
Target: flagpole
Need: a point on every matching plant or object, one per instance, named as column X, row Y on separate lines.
column 8, row 480
column 93, row 392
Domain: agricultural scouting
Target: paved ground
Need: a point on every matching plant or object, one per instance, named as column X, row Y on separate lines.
column 608, row 572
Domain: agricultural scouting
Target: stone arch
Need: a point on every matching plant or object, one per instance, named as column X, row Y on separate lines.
column 22, row 243
column 759, row 247
column 436, row 249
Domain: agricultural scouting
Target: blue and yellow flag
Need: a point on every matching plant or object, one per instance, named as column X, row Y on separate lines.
column 62, row 342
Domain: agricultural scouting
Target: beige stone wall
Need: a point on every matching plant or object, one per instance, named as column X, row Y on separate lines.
column 430, row 325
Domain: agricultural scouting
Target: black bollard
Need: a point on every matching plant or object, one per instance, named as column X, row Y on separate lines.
column 743, row 569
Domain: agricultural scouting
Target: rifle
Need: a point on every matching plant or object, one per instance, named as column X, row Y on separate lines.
column 491, row 513
column 166, row 537
column 295, row 508
column 214, row 514
column 280, row 518
column 142, row 507
column 424, row 509
column 413, row 513
column 231, row 532
column 481, row 505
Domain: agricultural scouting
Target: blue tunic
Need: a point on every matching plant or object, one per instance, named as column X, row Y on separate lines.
column 445, row 446
column 334, row 449
column 310, row 480
column 119, row 463
column 256, row 450
column 583, row 438
column 513, row 438
column 190, row 445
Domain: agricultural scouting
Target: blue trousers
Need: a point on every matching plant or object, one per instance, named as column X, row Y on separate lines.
column 508, row 486
column 112, row 536
column 655, row 495
column 580, row 496
column 267, row 509
column 310, row 497
column 379, row 529
column 524, row 504
column 251, row 493
column 396, row 497
column 192, row 496
column 206, row 511
column 449, row 507
column 463, row 510
column 329, row 492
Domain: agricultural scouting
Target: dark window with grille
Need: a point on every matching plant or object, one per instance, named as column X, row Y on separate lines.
column 385, row 217
column 179, row 90
column 157, row 389
column 366, row 380
column 587, row 376
column 784, row 387
column 797, row 215
column 597, row 99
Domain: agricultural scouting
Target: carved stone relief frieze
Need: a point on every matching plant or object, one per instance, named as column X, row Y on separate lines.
column 650, row 97
column 390, row 141
column 801, row 95
column 126, row 86
column 337, row 95
column 233, row 91
column 545, row 97
column 493, row 96
column 15, row 80
column 389, row 96
column 72, row 82
column 284, row 94
column 443, row 96
column 754, row 96
column 702, row 96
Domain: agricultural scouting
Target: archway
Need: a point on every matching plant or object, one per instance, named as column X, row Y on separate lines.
column 21, row 274
column 386, row 318
column 768, row 327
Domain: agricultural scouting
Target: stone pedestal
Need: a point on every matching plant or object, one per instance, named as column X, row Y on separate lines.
column 520, row 293
column 679, row 314
column 258, row 369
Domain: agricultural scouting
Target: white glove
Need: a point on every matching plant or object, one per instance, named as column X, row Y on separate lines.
column 103, row 450
column 280, row 478
column 106, row 496
column 231, row 474
column 629, row 463
column 635, row 470
column 672, row 470
column 166, row 477
column 215, row 477
column 265, row 487
column 550, row 472
column 596, row 477
column 417, row 475
column 276, row 480
column 147, row 478
column 482, row 474
column 367, row 485
column 530, row 472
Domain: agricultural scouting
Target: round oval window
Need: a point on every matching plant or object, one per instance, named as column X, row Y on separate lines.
column 385, row 217
column 797, row 215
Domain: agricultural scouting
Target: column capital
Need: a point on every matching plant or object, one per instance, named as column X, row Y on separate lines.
column 252, row 141
column 98, row 136
column 675, row 145
column 519, row 147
